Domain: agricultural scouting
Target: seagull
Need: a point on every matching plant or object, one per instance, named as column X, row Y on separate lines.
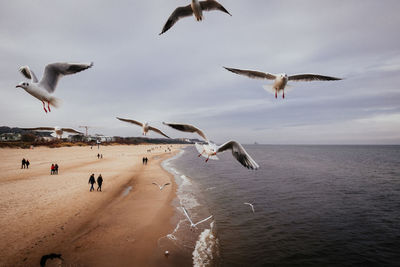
column 196, row 9
column 280, row 80
column 210, row 150
column 161, row 187
column 190, row 220
column 251, row 205
column 187, row 128
column 59, row 131
column 52, row 73
column 145, row 127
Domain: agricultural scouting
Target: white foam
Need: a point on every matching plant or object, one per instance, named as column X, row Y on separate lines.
column 206, row 247
column 185, row 180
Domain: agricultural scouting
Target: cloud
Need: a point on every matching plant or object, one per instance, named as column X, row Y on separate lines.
column 178, row 76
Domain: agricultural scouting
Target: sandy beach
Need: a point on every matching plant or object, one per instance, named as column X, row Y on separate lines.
column 120, row 226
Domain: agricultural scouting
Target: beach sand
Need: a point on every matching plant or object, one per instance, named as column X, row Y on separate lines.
column 121, row 226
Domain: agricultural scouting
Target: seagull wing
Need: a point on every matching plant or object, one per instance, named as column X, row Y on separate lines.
column 213, row 5
column 251, row 205
column 206, row 219
column 178, row 13
column 53, row 72
column 239, row 153
column 311, row 77
column 158, row 131
column 165, row 185
column 131, row 121
column 26, row 71
column 187, row 128
column 70, row 130
column 39, row 129
column 187, row 215
column 157, row 185
column 253, row 74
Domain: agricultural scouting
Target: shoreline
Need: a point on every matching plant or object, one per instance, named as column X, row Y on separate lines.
column 107, row 228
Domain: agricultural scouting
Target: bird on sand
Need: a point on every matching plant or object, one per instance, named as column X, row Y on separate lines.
column 145, row 127
column 58, row 130
column 251, row 205
column 280, row 80
column 190, row 220
column 196, row 9
column 52, row 73
column 210, row 150
column 161, row 187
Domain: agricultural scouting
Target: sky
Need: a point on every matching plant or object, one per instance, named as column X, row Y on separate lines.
column 179, row 76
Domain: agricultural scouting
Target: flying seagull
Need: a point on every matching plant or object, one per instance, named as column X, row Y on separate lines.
column 196, row 9
column 251, row 205
column 52, row 73
column 187, row 128
column 59, row 131
column 280, row 80
column 190, row 220
column 210, row 150
column 145, row 127
column 161, row 187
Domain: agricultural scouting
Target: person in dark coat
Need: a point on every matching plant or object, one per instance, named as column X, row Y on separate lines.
column 27, row 164
column 56, row 168
column 99, row 182
column 23, row 163
column 92, row 181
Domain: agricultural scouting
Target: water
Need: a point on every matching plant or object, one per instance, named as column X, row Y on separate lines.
column 314, row 206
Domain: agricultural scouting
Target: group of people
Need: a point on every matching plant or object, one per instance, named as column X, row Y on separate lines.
column 144, row 160
column 54, row 169
column 99, row 156
column 25, row 163
column 92, row 181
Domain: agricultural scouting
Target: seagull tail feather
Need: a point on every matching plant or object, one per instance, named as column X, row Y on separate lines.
column 55, row 102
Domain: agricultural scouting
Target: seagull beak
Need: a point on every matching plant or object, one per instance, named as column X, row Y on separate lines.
column 18, row 86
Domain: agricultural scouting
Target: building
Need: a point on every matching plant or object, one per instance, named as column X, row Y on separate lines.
column 10, row 137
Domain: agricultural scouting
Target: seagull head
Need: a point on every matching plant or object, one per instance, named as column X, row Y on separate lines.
column 23, row 85
column 283, row 76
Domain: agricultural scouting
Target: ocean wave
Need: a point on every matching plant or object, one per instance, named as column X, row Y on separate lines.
column 206, row 248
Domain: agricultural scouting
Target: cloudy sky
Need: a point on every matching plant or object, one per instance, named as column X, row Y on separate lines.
column 178, row 76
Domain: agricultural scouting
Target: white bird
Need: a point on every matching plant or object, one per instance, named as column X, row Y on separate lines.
column 195, row 8
column 58, row 130
column 190, row 220
column 280, row 80
column 145, row 127
column 251, row 205
column 210, row 150
column 161, row 187
column 52, row 73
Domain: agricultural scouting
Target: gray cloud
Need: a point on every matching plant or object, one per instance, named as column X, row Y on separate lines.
column 178, row 76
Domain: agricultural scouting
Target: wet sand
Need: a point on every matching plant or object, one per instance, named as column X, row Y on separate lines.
column 121, row 226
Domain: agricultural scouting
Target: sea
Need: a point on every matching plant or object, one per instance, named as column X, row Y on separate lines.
column 314, row 205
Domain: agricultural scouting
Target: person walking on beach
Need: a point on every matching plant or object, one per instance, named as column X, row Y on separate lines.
column 99, row 182
column 56, row 168
column 52, row 169
column 98, row 155
column 27, row 164
column 92, row 182
column 145, row 160
column 23, row 163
